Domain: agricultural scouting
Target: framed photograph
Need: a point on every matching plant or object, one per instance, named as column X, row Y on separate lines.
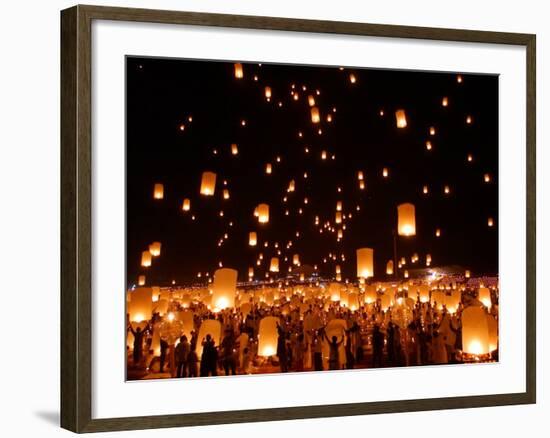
column 268, row 219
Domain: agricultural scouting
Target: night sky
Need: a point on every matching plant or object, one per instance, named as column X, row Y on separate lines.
column 163, row 93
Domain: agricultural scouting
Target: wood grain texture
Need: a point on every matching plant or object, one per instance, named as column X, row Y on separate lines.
column 76, row 223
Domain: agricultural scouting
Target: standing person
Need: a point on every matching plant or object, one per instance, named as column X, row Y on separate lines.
column 317, row 347
column 246, row 361
column 192, row 361
column 391, row 342
column 334, row 353
column 163, row 349
column 228, row 353
column 281, row 349
column 182, row 352
column 377, row 346
column 209, row 358
column 299, row 350
column 139, row 334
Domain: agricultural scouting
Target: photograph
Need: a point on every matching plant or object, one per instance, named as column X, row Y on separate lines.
column 296, row 218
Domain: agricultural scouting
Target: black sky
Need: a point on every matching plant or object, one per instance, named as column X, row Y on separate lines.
column 163, row 93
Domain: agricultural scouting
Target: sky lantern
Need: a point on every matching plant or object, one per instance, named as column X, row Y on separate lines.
column 146, row 259
column 487, row 178
column 338, row 217
column 291, row 186
column 267, row 92
column 385, row 172
column 365, row 264
column 225, row 194
column 425, row 189
column 445, row 101
column 239, row 74
column 210, row 327
column 339, row 206
column 484, row 295
column 234, row 149
column 469, row 120
column 438, row 297
column 315, row 116
column 158, row 191
column 296, row 259
column 352, row 78
column 274, row 264
column 438, row 232
column 252, row 238
column 453, row 301
column 459, row 79
column 141, row 280
column 360, row 175
column 224, row 288
column 370, row 294
column 389, row 267
column 208, row 183
column 385, row 302
column 406, row 221
column 323, row 155
column 268, row 336
column 490, row 222
column 361, row 185
column 263, row 213
column 446, row 189
column 268, row 168
column 311, row 100
column 432, row 130
column 334, row 291
column 338, row 269
column 250, row 273
column 140, row 304
column 424, row 293
column 475, row 331
column 429, row 145
column 428, row 259
column 154, row 249
column 401, row 118
column 186, row 206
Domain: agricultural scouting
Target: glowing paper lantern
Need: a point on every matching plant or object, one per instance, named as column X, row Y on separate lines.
column 141, row 280
column 263, row 213
column 370, row 294
column 250, row 273
column 154, row 249
column 268, row 168
column 158, row 191
column 453, row 301
column 385, row 172
column 424, row 293
column 140, row 305
column 239, row 74
column 252, row 238
column 389, row 267
column 339, row 206
column 208, row 183
column 225, row 194
column 475, row 331
column 493, row 332
column 311, row 100
column 234, row 149
column 224, row 288
column 484, row 295
column 445, row 101
column 296, row 259
column 186, row 206
column 267, row 92
column 490, row 222
column 385, row 302
column 401, row 118
column 438, row 298
column 210, row 327
column 146, row 259
column 291, row 186
column 267, row 336
column 406, row 223
column 338, row 217
column 365, row 263
column 315, row 117
column 274, row 264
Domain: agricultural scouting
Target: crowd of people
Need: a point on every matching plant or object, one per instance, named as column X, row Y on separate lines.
column 309, row 340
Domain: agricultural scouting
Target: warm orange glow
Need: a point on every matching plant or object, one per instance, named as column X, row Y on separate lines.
column 234, row 149
column 158, row 191
column 406, row 220
column 186, row 206
column 146, row 259
column 401, row 118
column 208, row 184
column 274, row 264
column 389, row 267
column 252, row 238
column 154, row 249
column 239, row 74
column 315, row 116
column 365, row 262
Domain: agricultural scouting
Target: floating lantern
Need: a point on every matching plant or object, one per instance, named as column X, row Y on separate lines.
column 252, row 238
column 146, row 259
column 389, row 267
column 323, row 155
column 274, row 264
column 490, row 222
column 424, row 293
column 234, row 149
column 447, row 190
column 268, row 168
column 432, row 130
column 334, row 291
column 429, row 145
column 291, row 186
column 311, row 100
column 338, row 217
column 438, row 299
column 370, row 294
column 339, row 206
column 141, row 280
column 487, row 178
column 210, row 327
column 353, row 301
column 445, row 101
column 140, row 304
column 469, row 158
column 186, row 206
column 239, row 74
column 315, row 116
column 365, row 258
column 475, row 331
column 263, row 213
column 425, row 190
column 406, row 221
column 469, row 120
column 459, row 79
column 467, row 274
column 250, row 273
column 360, row 175
column 406, row 274
column 385, row 172
column 401, row 118
column 154, row 249
column 225, row 194
column 385, row 302
column 338, row 269
column 484, row 295
column 158, row 191
column 268, row 92
column 361, row 185
column 352, row 78
column 437, row 232
column 453, row 301
column 224, row 288
column 296, row 259
column 428, row 259
column 268, row 336
column 208, row 183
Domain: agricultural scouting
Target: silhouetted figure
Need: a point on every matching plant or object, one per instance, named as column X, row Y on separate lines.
column 192, row 363
column 317, row 346
column 209, row 358
column 163, row 349
column 228, row 353
column 282, row 352
column 377, row 347
column 334, row 353
column 138, row 342
column 182, row 352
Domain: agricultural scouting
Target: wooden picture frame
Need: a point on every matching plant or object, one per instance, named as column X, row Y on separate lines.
column 76, row 217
